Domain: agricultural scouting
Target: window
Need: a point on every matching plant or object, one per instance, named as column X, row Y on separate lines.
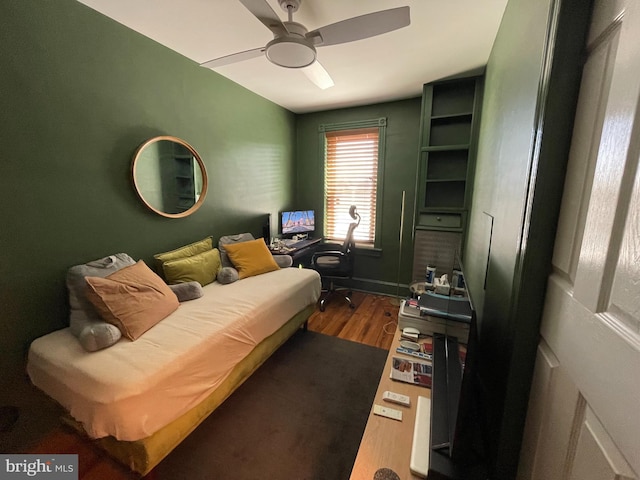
column 351, row 177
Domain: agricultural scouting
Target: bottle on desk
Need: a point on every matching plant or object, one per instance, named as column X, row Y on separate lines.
column 430, row 275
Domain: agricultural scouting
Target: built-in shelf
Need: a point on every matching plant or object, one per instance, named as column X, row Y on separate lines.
column 436, row 148
column 447, row 158
column 445, row 180
column 449, row 116
column 184, row 178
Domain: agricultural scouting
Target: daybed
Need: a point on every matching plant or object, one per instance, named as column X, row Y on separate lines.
column 139, row 399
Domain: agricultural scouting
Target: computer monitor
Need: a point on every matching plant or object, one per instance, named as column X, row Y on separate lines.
column 294, row 222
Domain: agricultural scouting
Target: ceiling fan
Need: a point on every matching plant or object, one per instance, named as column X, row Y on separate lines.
column 293, row 46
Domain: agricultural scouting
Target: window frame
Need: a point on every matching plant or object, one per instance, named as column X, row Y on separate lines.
column 381, row 124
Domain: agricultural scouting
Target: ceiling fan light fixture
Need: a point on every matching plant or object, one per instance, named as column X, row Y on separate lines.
column 293, row 46
column 290, row 52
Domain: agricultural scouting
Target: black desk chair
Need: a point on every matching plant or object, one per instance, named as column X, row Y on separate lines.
column 335, row 262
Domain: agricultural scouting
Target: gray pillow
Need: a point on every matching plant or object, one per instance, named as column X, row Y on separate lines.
column 187, row 291
column 98, row 336
column 227, row 275
column 83, row 314
column 226, row 240
column 283, row 261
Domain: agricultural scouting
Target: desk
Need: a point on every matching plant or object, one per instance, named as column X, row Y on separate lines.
column 299, row 251
column 387, row 443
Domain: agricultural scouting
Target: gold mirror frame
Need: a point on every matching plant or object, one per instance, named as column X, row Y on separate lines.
column 139, row 183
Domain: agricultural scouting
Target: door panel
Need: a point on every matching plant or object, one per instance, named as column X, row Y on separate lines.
column 597, row 457
column 537, row 415
column 579, row 178
column 625, row 302
column 583, row 420
column 601, row 359
column 561, row 403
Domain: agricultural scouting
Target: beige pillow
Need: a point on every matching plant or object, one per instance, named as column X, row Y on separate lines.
column 133, row 299
column 251, row 258
column 187, row 251
column 201, row 268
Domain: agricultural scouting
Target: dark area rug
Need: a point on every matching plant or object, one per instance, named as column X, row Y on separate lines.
column 300, row 416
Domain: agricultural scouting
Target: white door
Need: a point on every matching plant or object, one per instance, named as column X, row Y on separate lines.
column 583, row 420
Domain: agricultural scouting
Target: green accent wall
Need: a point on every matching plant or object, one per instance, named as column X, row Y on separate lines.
column 375, row 271
column 531, row 87
column 79, row 94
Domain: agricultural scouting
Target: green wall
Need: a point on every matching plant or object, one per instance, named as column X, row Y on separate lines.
column 531, row 86
column 374, row 271
column 79, row 93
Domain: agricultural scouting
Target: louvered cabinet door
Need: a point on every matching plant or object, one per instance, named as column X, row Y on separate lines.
column 435, row 248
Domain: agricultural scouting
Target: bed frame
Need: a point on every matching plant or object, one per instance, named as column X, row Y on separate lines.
column 143, row 455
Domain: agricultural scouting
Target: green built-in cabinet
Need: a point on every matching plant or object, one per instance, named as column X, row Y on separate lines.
column 450, row 118
column 185, row 187
column 448, row 138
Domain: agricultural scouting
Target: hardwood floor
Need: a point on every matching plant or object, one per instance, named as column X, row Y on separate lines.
column 372, row 322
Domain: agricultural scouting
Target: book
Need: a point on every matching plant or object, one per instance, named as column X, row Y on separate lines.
column 411, row 371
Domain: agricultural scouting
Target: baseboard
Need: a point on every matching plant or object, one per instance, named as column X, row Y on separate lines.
column 380, row 287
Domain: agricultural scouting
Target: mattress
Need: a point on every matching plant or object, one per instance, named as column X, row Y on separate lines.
column 133, row 389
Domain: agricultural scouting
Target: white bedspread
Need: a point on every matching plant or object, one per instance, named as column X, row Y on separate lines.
column 132, row 389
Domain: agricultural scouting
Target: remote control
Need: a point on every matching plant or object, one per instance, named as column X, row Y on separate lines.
column 410, row 345
column 396, row 398
column 387, row 412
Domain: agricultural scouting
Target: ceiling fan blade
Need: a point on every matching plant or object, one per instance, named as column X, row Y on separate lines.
column 233, row 58
column 318, row 75
column 358, row 28
column 263, row 12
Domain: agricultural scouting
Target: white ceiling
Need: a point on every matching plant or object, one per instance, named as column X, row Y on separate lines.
column 445, row 38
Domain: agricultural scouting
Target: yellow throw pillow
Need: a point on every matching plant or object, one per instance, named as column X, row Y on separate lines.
column 187, row 251
column 201, row 268
column 251, row 258
column 134, row 299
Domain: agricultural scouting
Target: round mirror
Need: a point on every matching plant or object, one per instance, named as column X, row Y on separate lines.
column 169, row 176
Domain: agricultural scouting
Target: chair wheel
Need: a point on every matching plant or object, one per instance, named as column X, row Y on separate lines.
column 322, row 305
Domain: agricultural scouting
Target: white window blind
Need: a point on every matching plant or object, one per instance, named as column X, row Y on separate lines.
column 351, row 178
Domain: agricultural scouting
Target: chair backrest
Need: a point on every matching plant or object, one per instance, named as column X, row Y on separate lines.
column 348, row 240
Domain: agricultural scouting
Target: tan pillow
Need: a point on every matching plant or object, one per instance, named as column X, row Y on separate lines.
column 251, row 258
column 187, row 251
column 82, row 312
column 133, row 299
column 201, row 268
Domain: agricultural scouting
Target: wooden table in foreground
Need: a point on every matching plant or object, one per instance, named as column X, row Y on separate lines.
column 386, row 443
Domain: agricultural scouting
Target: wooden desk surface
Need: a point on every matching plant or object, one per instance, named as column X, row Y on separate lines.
column 294, row 247
column 386, row 443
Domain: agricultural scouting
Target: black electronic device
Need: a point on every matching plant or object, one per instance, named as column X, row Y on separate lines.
column 266, row 229
column 295, row 222
column 456, row 434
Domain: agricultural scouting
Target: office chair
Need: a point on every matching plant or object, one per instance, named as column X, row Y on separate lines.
column 335, row 262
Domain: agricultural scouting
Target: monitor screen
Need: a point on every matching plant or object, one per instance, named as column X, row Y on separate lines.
column 297, row 221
